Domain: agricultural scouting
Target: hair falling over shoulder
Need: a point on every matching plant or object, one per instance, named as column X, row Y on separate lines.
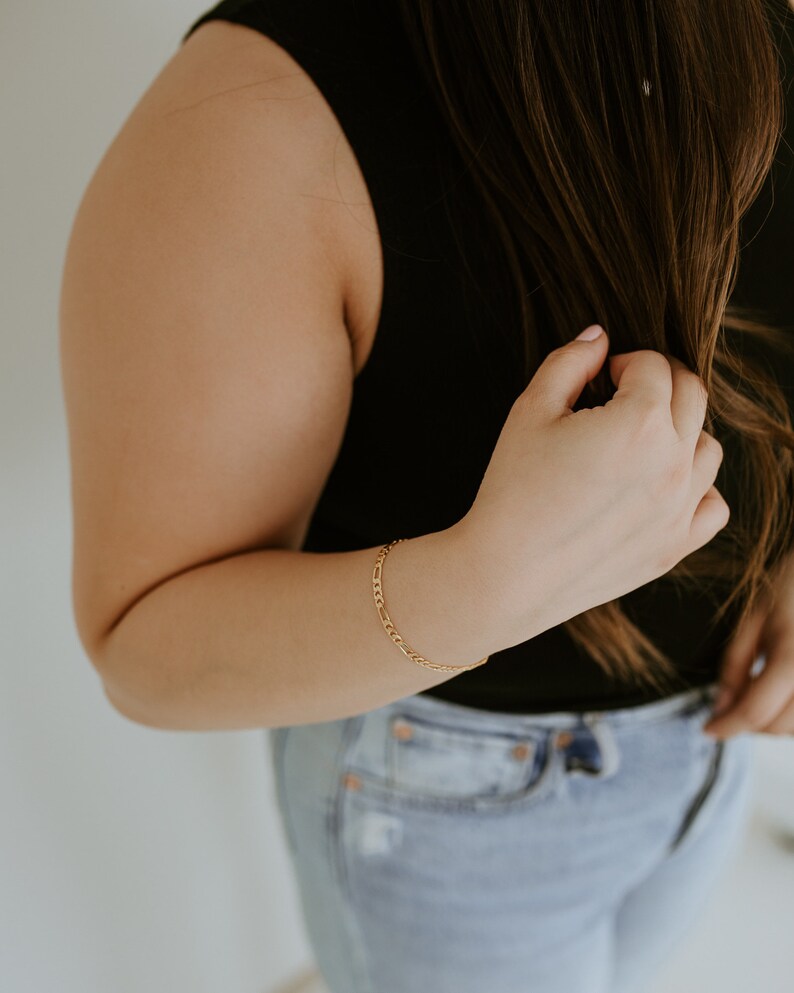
column 617, row 145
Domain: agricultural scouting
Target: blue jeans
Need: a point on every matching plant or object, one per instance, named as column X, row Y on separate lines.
column 449, row 849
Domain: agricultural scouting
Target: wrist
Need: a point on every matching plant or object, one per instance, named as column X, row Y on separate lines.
column 435, row 597
column 516, row 601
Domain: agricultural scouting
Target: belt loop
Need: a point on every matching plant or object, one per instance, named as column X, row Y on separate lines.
column 604, row 735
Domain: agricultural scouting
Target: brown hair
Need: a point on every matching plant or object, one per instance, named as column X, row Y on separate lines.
column 616, row 146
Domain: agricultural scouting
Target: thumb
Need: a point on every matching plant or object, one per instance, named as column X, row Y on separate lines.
column 561, row 377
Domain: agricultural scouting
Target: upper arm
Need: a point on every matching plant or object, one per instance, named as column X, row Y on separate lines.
column 206, row 364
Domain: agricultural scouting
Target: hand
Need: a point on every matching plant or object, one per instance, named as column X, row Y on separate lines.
column 577, row 508
column 764, row 702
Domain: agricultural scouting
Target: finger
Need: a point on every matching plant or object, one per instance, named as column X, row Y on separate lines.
column 564, row 372
column 783, row 723
column 705, row 465
column 689, row 400
column 617, row 363
column 738, row 657
column 711, row 515
column 643, row 374
column 762, row 701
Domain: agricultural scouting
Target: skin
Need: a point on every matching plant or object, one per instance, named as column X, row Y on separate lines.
column 760, row 703
column 294, row 316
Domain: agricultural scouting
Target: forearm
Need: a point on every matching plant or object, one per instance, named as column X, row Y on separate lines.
column 278, row 636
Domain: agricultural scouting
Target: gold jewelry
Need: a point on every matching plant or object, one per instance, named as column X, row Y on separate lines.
column 390, row 630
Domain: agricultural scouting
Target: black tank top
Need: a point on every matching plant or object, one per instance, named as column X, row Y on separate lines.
column 442, row 374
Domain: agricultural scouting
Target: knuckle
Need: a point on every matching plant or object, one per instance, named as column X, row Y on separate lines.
column 563, row 355
column 712, row 444
column 699, row 391
column 535, row 395
column 702, row 392
column 653, row 356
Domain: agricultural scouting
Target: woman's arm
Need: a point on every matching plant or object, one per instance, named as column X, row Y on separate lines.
column 208, row 374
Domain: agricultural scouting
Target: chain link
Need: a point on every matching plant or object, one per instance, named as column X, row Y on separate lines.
column 380, row 604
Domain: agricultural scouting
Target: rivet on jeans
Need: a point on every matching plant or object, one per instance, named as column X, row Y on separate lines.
column 563, row 739
column 351, row 781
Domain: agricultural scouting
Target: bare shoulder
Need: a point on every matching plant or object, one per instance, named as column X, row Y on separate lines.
column 258, row 71
column 206, row 358
column 243, row 94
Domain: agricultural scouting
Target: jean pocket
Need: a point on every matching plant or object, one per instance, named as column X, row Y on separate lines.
column 433, row 764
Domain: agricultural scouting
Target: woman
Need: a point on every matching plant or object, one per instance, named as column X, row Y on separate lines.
column 323, row 293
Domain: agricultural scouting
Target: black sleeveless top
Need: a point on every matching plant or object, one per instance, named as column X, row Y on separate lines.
column 432, row 398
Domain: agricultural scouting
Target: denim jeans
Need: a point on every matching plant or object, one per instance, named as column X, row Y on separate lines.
column 447, row 849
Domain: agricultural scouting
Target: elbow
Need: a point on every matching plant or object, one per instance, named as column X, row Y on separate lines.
column 132, row 702
column 144, row 700
column 131, row 708
column 129, row 686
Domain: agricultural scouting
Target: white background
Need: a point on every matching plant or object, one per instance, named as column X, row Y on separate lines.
column 135, row 860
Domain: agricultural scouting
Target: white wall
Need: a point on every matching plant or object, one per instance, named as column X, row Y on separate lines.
column 133, row 859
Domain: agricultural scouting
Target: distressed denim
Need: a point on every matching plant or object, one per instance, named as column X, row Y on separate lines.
column 439, row 848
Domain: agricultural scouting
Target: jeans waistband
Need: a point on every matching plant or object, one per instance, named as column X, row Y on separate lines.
column 500, row 720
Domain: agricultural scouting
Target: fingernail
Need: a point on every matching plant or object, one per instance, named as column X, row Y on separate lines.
column 590, row 333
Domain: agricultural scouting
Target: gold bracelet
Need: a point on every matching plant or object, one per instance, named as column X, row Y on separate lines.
column 390, row 630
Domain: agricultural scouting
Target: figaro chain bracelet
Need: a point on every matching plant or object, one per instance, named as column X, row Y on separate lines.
column 377, row 588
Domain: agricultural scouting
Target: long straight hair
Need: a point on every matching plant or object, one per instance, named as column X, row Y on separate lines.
column 616, row 145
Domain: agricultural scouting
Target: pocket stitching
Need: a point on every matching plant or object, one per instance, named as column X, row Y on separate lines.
column 512, row 775
column 393, row 794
